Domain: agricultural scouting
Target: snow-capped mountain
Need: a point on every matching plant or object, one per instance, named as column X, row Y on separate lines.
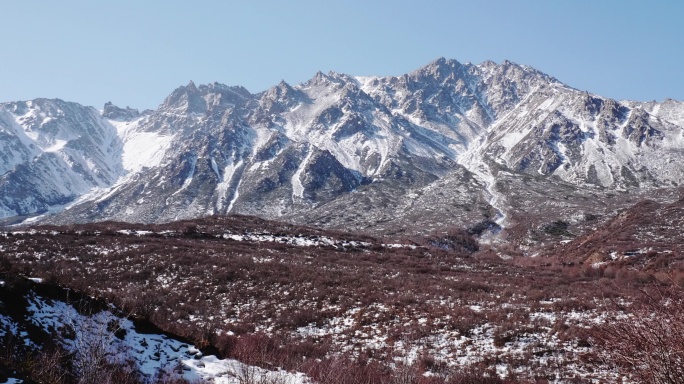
column 425, row 148
column 51, row 153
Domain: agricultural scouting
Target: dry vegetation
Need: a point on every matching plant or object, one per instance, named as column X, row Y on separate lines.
column 645, row 339
column 354, row 311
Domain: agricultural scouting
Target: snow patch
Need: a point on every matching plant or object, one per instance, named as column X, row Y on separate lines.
column 223, row 187
column 297, row 186
column 141, row 149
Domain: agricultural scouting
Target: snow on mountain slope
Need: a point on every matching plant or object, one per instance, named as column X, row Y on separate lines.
column 670, row 110
column 337, row 116
column 454, row 99
column 586, row 139
column 334, row 120
column 140, row 149
column 53, row 152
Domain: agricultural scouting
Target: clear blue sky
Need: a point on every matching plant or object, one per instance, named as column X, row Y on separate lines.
column 136, row 52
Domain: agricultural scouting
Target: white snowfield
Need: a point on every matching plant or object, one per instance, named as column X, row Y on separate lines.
column 140, row 148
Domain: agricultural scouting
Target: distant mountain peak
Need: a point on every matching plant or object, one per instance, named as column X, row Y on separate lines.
column 186, row 97
column 319, row 78
column 440, row 68
column 113, row 112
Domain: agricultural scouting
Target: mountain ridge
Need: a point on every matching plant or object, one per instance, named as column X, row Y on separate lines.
column 373, row 152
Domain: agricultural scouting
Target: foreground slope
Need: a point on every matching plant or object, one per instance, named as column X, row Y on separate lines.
column 278, row 295
column 56, row 335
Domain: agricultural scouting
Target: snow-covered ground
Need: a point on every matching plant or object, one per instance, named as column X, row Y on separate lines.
column 301, row 241
column 109, row 336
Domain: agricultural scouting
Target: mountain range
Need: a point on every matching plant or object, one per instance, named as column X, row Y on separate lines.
column 480, row 146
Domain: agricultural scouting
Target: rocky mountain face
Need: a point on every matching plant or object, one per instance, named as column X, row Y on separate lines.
column 411, row 153
column 51, row 153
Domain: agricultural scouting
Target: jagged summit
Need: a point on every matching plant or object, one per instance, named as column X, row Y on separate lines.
column 113, row 112
column 440, row 68
column 383, row 153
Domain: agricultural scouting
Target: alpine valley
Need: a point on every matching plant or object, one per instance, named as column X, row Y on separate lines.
column 462, row 223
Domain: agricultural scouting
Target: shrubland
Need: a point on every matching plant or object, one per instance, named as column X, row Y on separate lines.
column 348, row 308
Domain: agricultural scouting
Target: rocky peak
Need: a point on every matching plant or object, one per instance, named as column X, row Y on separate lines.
column 319, row 78
column 441, row 69
column 111, row 111
column 186, row 98
column 281, row 97
column 280, row 92
column 191, row 87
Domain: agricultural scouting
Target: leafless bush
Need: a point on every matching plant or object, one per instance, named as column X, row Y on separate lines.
column 50, row 366
column 645, row 340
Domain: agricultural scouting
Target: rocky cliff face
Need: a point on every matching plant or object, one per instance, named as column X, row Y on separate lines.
column 376, row 153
